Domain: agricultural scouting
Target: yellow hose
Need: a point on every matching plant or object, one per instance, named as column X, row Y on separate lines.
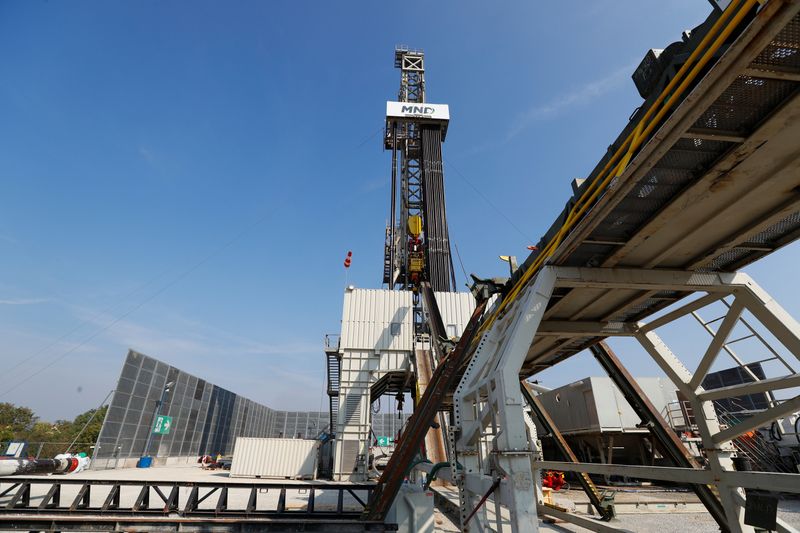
column 631, row 143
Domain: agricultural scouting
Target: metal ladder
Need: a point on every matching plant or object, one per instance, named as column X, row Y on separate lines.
column 753, row 334
column 753, row 445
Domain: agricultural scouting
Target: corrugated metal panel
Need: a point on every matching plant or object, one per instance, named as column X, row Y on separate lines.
column 595, row 405
column 612, row 412
column 377, row 320
column 456, row 309
column 274, row 458
column 349, row 452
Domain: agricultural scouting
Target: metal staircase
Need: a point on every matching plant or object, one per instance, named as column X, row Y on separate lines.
column 334, row 363
column 762, row 454
column 387, row 257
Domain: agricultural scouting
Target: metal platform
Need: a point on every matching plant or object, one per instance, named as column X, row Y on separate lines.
column 57, row 503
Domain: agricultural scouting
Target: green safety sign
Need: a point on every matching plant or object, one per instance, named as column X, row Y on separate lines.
column 162, row 425
column 385, row 441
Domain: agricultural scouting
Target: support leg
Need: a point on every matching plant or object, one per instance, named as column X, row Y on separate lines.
column 649, row 416
column 719, row 458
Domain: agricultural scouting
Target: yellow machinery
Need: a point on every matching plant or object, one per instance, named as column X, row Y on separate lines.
column 416, row 256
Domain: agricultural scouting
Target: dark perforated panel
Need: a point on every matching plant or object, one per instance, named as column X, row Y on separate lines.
column 745, row 104
column 783, row 52
column 773, row 233
column 206, row 418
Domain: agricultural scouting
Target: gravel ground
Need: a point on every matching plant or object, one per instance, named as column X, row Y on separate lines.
column 663, row 522
column 788, row 510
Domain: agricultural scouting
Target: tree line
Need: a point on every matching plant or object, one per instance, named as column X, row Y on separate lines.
column 18, row 423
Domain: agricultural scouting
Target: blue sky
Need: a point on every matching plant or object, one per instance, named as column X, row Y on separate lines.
column 184, row 178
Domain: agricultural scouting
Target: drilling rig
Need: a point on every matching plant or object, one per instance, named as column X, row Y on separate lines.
column 386, row 341
column 417, row 244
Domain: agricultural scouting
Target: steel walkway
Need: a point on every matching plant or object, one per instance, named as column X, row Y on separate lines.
column 56, row 503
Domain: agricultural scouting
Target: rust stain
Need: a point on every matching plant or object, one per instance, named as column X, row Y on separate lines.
column 721, row 183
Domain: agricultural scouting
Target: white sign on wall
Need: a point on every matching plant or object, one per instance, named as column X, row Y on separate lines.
column 416, row 110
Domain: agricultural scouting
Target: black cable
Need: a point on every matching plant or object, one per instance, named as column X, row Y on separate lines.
column 141, row 304
column 109, row 309
column 175, row 280
column 797, row 429
column 366, row 140
column 774, row 431
column 491, row 204
column 464, row 270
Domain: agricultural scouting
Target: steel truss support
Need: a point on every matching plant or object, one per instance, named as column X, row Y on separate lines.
column 417, row 154
column 490, row 438
column 492, row 441
column 412, row 89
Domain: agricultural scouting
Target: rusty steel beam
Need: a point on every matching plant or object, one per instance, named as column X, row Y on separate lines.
column 408, row 448
column 435, row 449
column 583, row 478
column 663, row 434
